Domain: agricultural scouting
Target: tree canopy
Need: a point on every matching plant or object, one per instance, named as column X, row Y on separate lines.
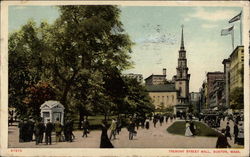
column 81, row 55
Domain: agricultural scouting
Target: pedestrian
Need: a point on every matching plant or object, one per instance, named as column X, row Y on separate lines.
column 20, row 126
column 48, row 130
column 105, row 142
column 236, row 132
column 188, row 131
column 70, row 131
column 192, row 127
column 25, row 130
column 131, row 129
column 222, row 141
column 166, row 119
column 171, row 118
column 37, row 132
column 240, row 137
column 85, row 126
column 112, row 129
column 147, row 123
column 228, row 134
column 155, row 121
column 30, row 129
column 161, row 120
column 41, row 131
column 143, row 122
column 58, row 130
column 137, row 122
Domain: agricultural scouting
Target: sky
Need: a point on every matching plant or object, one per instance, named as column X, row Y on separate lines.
column 156, row 32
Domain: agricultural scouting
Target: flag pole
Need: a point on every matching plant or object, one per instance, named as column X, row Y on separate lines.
column 241, row 29
column 232, row 35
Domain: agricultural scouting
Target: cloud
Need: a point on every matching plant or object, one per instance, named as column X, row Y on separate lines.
column 217, row 15
column 208, row 25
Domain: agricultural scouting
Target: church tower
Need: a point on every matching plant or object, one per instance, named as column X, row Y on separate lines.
column 182, row 78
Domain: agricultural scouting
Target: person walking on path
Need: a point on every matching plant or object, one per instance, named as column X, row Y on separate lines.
column 236, row 132
column 188, row 131
column 147, row 123
column 171, row 118
column 58, row 130
column 85, row 126
column 105, row 142
column 113, row 128
column 192, row 127
column 155, row 121
column 36, row 130
column 166, row 119
column 222, row 141
column 41, row 132
column 131, row 129
column 161, row 120
column 228, row 131
column 48, row 131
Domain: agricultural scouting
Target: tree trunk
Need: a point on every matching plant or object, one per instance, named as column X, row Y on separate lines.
column 64, row 97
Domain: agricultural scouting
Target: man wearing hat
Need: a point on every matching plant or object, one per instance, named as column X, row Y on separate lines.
column 222, row 140
column 48, row 131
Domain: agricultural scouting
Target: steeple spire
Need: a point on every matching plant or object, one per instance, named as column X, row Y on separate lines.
column 182, row 38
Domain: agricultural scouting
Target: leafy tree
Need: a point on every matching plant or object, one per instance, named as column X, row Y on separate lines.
column 87, row 38
column 37, row 95
column 237, row 98
column 137, row 99
column 26, row 66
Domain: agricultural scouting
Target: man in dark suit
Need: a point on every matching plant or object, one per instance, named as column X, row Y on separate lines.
column 48, row 131
column 222, row 141
column 236, row 132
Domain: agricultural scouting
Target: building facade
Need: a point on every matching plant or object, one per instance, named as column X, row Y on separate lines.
column 236, row 68
column 195, row 100
column 211, row 77
column 226, row 63
column 217, row 94
column 163, row 96
column 157, row 79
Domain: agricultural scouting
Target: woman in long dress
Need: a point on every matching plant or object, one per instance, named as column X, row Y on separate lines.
column 188, row 131
column 147, row 123
column 105, row 142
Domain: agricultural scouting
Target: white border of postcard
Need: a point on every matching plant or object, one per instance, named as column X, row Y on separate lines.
column 5, row 151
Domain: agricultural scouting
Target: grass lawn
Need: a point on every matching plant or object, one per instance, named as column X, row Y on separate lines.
column 201, row 129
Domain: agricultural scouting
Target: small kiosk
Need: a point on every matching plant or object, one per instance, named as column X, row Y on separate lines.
column 52, row 110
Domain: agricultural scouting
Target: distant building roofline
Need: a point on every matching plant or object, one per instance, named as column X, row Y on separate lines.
column 154, row 75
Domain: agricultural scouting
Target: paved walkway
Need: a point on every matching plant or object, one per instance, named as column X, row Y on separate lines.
column 152, row 138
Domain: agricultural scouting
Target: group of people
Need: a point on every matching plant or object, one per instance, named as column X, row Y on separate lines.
column 238, row 131
column 29, row 128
